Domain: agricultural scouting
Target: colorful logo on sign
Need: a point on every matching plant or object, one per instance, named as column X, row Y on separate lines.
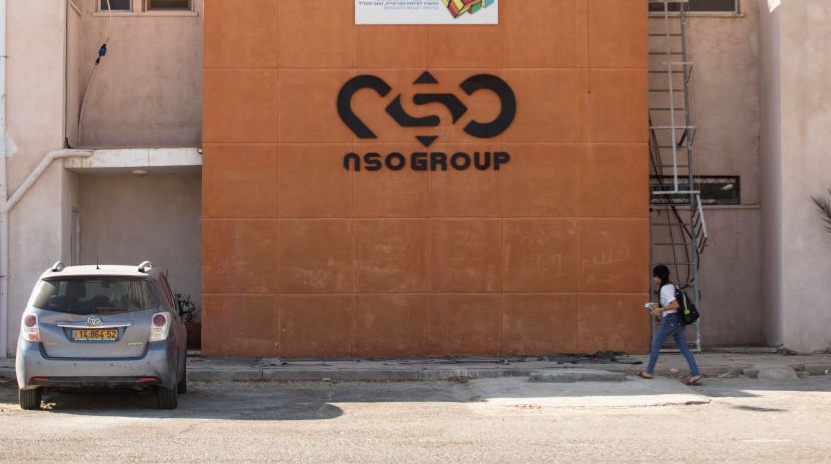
column 460, row 7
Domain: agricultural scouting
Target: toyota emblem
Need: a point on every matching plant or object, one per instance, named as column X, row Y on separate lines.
column 93, row 321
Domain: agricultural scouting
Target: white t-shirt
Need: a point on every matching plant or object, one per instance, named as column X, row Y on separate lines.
column 667, row 297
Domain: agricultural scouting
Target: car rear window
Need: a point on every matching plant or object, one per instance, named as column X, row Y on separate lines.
column 87, row 295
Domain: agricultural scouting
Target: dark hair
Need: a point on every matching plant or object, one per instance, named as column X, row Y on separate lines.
column 662, row 272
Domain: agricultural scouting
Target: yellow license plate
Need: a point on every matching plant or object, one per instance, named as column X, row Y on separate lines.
column 95, row 335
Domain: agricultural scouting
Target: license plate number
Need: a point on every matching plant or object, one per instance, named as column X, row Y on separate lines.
column 95, row 335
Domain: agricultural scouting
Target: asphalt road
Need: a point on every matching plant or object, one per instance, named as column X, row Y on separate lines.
column 486, row 420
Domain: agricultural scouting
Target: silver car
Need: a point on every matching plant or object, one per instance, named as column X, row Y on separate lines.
column 102, row 326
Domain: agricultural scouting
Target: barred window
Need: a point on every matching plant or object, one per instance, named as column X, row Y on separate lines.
column 168, row 5
column 714, row 190
column 138, row 6
column 116, row 5
column 700, row 6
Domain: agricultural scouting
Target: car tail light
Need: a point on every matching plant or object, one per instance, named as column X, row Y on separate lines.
column 29, row 329
column 159, row 327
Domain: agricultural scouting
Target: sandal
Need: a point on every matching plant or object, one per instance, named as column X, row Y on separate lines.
column 644, row 375
column 695, row 380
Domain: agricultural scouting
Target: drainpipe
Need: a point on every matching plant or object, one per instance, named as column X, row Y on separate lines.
column 6, row 202
column 4, row 192
column 4, row 223
column 39, row 169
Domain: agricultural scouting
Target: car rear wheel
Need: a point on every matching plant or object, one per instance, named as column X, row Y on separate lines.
column 30, row 399
column 166, row 398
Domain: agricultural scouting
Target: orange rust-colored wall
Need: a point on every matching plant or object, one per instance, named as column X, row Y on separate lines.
column 303, row 257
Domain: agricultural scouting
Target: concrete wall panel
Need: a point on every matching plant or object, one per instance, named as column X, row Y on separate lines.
column 146, row 91
column 126, row 219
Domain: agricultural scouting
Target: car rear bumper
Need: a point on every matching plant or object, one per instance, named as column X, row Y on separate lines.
column 156, row 368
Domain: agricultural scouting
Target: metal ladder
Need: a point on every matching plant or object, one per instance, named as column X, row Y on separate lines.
column 678, row 233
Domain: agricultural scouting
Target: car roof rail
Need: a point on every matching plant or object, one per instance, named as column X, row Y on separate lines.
column 145, row 266
column 58, row 266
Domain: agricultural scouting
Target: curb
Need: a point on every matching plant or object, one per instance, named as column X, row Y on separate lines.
column 761, row 366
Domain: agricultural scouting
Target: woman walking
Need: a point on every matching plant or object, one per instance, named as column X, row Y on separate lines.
column 670, row 327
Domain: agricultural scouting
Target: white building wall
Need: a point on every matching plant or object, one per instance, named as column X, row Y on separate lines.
column 147, row 89
column 147, row 93
column 34, row 125
column 770, row 169
column 794, row 136
column 805, row 38
column 724, row 50
column 161, row 213
column 762, row 107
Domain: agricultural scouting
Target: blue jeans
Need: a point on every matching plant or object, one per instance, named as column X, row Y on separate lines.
column 670, row 326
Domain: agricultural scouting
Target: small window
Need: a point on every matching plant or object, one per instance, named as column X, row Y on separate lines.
column 719, row 190
column 184, row 5
column 115, row 5
column 714, row 190
column 699, row 6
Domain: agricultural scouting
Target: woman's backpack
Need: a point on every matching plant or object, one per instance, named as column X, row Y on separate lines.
column 687, row 312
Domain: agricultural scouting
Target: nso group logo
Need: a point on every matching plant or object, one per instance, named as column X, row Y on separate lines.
column 428, row 160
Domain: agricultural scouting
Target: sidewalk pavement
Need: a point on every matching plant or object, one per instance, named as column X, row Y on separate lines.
column 762, row 363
